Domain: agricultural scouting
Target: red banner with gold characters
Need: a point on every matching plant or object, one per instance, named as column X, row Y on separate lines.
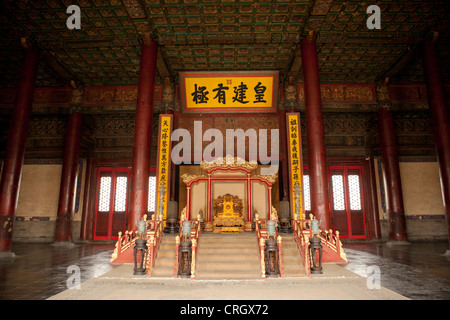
column 163, row 164
column 295, row 160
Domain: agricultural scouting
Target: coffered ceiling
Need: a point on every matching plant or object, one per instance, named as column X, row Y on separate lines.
column 219, row 35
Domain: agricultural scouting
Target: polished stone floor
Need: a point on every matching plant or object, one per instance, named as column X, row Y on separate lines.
column 39, row 271
column 418, row 271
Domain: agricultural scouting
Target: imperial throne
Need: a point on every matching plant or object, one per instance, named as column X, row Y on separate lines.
column 228, row 217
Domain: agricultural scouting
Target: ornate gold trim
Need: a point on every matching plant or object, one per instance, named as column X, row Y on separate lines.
column 274, row 214
column 269, row 178
column 228, row 162
column 187, row 177
column 183, row 214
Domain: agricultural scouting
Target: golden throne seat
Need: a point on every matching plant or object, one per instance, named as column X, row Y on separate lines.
column 228, row 217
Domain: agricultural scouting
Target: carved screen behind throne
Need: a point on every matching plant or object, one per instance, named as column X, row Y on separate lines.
column 236, row 188
column 201, row 185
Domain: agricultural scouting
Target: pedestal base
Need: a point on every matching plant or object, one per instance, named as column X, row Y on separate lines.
column 171, row 229
column 285, row 229
column 140, row 272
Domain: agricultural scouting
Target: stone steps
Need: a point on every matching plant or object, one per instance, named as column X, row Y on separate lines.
column 233, row 256
column 166, row 258
column 292, row 261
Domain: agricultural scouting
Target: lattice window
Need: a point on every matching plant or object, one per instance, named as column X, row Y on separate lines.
column 306, row 193
column 338, row 191
column 104, row 194
column 354, row 192
column 151, row 194
column 121, row 194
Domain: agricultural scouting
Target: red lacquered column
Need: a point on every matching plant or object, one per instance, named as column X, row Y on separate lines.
column 391, row 168
column 394, row 197
column 87, row 216
column 69, row 178
column 15, row 149
column 374, row 217
column 315, row 132
column 142, row 134
column 439, row 119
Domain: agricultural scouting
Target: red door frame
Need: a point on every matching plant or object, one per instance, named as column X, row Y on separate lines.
column 113, row 170
column 112, row 201
column 345, row 170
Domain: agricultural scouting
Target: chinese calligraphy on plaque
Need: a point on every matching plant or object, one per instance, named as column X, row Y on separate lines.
column 255, row 91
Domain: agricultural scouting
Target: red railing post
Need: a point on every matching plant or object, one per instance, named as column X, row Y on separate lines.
column 193, row 263
column 177, row 246
column 280, row 256
column 261, row 255
column 119, row 242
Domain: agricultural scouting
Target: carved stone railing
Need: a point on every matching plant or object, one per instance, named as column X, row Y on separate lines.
column 301, row 237
column 331, row 244
column 124, row 242
column 261, row 235
column 331, row 240
column 154, row 238
column 123, row 251
column 195, row 237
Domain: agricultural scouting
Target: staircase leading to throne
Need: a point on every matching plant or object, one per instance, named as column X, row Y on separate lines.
column 166, row 258
column 293, row 266
column 228, row 257
column 233, row 256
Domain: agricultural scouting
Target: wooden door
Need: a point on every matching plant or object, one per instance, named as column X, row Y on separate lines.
column 111, row 202
column 346, row 201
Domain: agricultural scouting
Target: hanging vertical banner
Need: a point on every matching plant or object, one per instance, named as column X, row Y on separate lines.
column 295, row 161
column 163, row 164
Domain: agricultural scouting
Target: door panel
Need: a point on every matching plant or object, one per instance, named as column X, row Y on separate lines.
column 111, row 204
column 104, row 195
column 338, row 203
column 355, row 199
column 120, row 203
column 112, row 201
column 347, row 211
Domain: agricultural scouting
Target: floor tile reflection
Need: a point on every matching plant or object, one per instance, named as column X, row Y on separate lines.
column 418, row 271
column 39, row 271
